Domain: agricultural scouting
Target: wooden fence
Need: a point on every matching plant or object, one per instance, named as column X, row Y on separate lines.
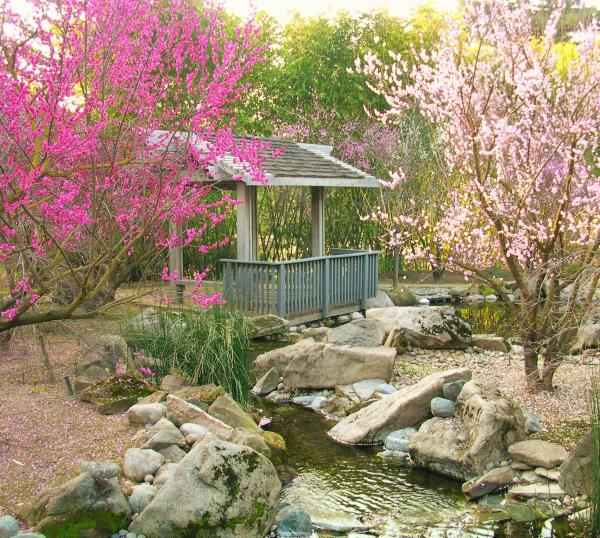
column 303, row 290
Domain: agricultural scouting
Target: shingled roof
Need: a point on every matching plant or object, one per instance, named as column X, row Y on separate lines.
column 296, row 164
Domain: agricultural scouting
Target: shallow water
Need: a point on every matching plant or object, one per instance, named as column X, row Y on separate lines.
column 334, row 478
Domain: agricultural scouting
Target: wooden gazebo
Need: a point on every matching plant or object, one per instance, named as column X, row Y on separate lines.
column 305, row 289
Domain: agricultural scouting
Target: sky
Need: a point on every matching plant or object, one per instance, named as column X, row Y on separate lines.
column 282, row 9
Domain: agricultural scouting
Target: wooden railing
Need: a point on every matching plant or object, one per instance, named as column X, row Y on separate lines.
column 303, row 290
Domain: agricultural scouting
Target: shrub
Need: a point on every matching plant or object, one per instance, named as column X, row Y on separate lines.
column 403, row 297
column 205, row 345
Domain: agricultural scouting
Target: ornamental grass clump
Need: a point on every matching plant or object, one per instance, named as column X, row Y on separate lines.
column 205, row 345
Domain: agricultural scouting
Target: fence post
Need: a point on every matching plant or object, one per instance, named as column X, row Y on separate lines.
column 326, row 285
column 228, row 282
column 281, row 310
column 365, row 282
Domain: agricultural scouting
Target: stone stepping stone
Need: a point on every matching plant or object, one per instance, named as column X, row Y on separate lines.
column 538, row 453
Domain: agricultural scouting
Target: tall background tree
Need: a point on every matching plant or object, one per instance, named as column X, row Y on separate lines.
column 518, row 114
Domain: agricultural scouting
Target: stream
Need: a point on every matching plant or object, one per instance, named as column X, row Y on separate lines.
column 338, row 481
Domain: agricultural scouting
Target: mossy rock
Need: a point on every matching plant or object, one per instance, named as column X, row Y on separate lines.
column 402, row 296
column 267, row 325
column 274, row 440
column 116, row 393
column 204, row 393
column 93, row 525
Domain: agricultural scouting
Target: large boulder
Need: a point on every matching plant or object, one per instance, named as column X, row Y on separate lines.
column 100, row 359
column 576, row 471
column 424, row 326
column 278, row 359
column 90, row 505
column 358, row 333
column 336, row 365
column 219, row 489
column 406, row 407
column 381, row 300
column 588, row 336
column 484, row 425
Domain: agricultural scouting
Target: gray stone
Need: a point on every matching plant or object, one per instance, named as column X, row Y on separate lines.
column 538, row 491
column 193, row 429
column 538, row 453
column 452, row 390
column 100, row 469
column 385, row 389
column 365, row 390
column 576, row 471
column 381, row 300
column 140, row 462
column 335, row 521
column 531, row 477
column 399, row 440
column 172, row 454
column 100, row 359
column 474, row 298
column 165, row 438
column 318, row 403
column 406, row 407
column 267, row 383
column 9, row 527
column 550, row 474
column 358, row 333
column 336, row 406
column 266, row 325
column 497, row 479
column 304, row 400
column 181, row 412
column 226, row 409
column 396, row 456
column 149, row 413
column 318, row 334
column 200, row 499
column 140, row 497
column 484, row 425
column 293, row 522
column 490, row 342
column 532, row 423
column 588, row 336
column 173, row 383
column 424, row 327
column 166, row 472
column 440, row 407
column 252, row 439
column 90, row 501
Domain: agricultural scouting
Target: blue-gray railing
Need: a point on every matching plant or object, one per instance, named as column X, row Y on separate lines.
column 307, row 289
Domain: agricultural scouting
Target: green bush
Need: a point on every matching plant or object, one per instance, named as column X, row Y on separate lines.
column 402, row 296
column 205, row 345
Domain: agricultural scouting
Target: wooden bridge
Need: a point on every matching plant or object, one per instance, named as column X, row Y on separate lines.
column 303, row 290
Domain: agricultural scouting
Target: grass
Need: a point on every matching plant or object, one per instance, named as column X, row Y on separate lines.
column 594, row 400
column 205, row 345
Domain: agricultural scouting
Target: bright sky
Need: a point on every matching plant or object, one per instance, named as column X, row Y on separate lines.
column 281, row 9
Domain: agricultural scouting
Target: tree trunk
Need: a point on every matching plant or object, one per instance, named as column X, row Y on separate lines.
column 530, row 361
column 45, row 357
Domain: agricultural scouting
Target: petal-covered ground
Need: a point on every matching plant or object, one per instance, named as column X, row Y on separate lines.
column 44, row 434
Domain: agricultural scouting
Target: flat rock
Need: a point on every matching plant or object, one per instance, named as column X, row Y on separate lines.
column 550, row 474
column 266, row 325
column 181, row 412
column 358, row 333
column 406, row 407
column 538, row 453
column 366, row 389
column 538, row 491
column 497, row 479
column 335, row 521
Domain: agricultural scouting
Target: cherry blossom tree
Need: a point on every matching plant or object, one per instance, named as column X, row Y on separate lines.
column 89, row 188
column 518, row 113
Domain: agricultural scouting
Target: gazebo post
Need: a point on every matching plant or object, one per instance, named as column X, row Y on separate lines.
column 317, row 211
column 247, row 232
column 175, row 263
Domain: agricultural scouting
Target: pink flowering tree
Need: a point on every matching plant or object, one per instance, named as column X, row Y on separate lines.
column 518, row 114
column 92, row 177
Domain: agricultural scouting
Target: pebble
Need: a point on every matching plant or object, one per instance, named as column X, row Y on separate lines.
column 149, row 479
